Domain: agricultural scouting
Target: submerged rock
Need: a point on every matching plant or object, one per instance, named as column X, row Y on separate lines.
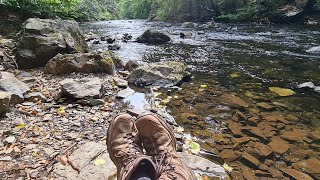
column 42, row 39
column 164, row 74
column 153, row 37
column 310, row 166
column 314, row 50
column 306, row 85
column 296, row 174
column 233, row 101
column 83, row 62
column 9, row 83
column 278, row 145
column 82, row 88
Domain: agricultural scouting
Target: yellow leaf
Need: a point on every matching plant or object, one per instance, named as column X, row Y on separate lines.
column 227, row 167
column 61, row 111
column 203, row 86
column 20, row 126
column 282, row 91
column 99, row 162
column 194, row 147
column 235, row 75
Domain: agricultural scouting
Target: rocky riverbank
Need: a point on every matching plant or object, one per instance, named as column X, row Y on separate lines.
column 67, row 102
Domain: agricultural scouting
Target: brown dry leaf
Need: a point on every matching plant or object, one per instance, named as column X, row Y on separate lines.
column 16, row 149
column 63, row 160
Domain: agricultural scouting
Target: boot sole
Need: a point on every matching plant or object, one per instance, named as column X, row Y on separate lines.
column 164, row 124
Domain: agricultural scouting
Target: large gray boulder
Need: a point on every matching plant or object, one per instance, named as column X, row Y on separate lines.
column 83, row 62
column 88, row 88
column 164, row 74
column 42, row 39
column 153, row 37
column 9, row 83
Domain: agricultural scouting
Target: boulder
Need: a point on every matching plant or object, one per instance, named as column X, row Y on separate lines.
column 189, row 25
column 42, row 39
column 83, row 62
column 102, row 167
column 82, row 88
column 162, row 74
column 9, row 83
column 131, row 65
column 314, row 50
column 153, row 37
column 5, row 98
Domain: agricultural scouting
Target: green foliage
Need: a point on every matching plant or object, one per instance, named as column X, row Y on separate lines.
column 136, row 9
column 67, row 9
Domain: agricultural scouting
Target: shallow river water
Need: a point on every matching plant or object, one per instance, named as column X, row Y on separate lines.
column 244, row 60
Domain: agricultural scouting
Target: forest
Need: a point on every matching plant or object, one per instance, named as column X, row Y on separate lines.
column 170, row 10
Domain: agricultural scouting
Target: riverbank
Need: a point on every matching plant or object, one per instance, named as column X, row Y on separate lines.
column 242, row 103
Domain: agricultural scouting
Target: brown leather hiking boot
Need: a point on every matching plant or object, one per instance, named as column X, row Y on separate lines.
column 160, row 143
column 124, row 147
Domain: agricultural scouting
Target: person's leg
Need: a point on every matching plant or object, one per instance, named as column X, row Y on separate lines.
column 159, row 141
column 124, row 147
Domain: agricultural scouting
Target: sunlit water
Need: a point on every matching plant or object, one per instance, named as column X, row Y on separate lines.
column 267, row 54
column 260, row 56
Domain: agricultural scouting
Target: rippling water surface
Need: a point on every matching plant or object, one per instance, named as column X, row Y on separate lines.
column 244, row 60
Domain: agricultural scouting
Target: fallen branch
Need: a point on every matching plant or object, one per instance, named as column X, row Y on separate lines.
column 12, row 59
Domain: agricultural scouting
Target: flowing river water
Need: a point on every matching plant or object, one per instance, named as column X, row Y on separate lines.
column 244, row 60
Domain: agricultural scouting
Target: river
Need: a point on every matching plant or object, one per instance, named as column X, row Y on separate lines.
column 244, row 60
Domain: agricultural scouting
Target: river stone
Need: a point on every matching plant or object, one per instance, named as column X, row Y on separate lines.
column 306, row 85
column 5, row 98
column 228, row 155
column 163, row 74
column 82, row 88
column 248, row 158
column 314, row 50
column 82, row 62
column 297, row 175
column 310, row 166
column 189, row 25
column 42, row 39
column 120, row 82
column 82, row 158
column 131, row 65
column 294, row 135
column 262, row 149
column 233, row 101
column 278, row 145
column 9, row 83
column 36, row 96
column 125, row 93
column 153, row 37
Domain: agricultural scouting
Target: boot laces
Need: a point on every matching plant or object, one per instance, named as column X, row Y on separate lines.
column 130, row 153
column 164, row 166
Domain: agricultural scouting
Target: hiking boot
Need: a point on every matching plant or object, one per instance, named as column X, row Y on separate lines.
column 160, row 143
column 125, row 150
